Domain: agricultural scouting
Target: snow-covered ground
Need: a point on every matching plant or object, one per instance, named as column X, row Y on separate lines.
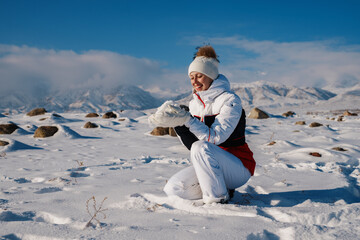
column 48, row 186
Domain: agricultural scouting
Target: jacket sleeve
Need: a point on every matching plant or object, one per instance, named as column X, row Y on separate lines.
column 223, row 126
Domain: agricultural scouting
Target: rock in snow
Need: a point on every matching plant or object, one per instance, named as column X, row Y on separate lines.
column 8, row 128
column 45, row 131
column 347, row 113
column 288, row 114
column 315, row 124
column 90, row 125
column 3, row 143
column 36, row 111
column 300, row 123
column 109, row 115
column 91, row 115
column 258, row 114
column 160, row 131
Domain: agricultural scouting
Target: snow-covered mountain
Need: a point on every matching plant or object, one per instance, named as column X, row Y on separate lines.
column 267, row 94
column 274, row 95
column 83, row 100
column 262, row 94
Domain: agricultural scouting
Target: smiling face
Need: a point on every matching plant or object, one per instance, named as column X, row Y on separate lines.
column 200, row 82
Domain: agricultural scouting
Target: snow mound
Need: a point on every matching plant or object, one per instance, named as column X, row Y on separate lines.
column 131, row 114
column 16, row 145
column 51, row 218
column 175, row 204
column 67, row 132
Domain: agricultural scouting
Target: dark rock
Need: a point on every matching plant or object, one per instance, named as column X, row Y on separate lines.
column 57, row 115
column 8, row 128
column 256, row 113
column 36, row 111
column 90, row 115
column 45, row 131
column 271, row 143
column 288, row 114
column 339, row 149
column 3, row 143
column 315, row 154
column 160, row 131
column 347, row 113
column 300, row 123
column 315, row 124
column 90, row 125
column 109, row 115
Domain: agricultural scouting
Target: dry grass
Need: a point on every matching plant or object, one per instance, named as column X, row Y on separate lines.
column 96, row 211
column 154, row 207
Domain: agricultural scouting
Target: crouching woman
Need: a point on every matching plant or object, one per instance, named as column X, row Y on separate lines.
column 214, row 132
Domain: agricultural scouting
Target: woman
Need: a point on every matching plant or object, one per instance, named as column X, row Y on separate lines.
column 213, row 131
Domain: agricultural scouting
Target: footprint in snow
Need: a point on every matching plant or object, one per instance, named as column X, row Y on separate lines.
column 21, row 180
column 164, row 160
column 136, row 180
column 48, row 190
column 264, row 235
column 10, row 237
column 9, row 216
column 77, row 174
column 77, row 169
column 120, row 168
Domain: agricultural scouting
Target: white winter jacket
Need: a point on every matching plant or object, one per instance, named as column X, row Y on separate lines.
column 219, row 102
column 218, row 118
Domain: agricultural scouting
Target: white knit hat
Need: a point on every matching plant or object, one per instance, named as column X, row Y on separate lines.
column 205, row 65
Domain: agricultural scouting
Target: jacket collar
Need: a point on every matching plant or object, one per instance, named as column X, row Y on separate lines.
column 219, row 85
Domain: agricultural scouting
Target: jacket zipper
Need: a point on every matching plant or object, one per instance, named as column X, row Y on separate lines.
column 202, row 115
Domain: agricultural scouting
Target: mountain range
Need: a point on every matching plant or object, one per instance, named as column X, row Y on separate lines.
column 82, row 100
column 255, row 94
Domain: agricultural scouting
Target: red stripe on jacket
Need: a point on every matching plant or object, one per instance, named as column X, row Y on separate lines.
column 244, row 153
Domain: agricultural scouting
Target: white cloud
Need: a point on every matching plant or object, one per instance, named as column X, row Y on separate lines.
column 322, row 64
column 318, row 63
column 28, row 69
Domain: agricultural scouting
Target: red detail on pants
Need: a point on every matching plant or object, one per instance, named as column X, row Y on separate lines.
column 244, row 154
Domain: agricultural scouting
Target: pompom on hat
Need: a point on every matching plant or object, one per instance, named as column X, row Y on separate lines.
column 205, row 62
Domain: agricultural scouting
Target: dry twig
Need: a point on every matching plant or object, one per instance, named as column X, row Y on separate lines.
column 80, row 163
column 97, row 210
column 154, row 207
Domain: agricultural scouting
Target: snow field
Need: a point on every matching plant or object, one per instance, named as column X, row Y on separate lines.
column 45, row 183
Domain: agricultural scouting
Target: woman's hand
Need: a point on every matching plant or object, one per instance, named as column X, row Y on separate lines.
column 169, row 115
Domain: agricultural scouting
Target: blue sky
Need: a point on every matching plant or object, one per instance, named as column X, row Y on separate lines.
column 165, row 33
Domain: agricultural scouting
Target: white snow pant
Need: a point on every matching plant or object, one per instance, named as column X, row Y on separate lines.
column 214, row 171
